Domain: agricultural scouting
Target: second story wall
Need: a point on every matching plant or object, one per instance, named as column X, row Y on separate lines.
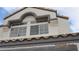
column 53, row 27
column 33, row 26
column 63, row 26
column 38, row 12
column 4, row 33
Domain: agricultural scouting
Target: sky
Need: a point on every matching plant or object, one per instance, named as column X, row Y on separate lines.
column 4, row 11
column 71, row 12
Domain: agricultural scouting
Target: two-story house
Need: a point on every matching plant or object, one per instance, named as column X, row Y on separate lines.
column 37, row 28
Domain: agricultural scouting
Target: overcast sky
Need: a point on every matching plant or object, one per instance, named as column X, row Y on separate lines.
column 71, row 12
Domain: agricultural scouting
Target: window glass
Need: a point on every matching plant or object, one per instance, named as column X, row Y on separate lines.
column 14, row 32
column 39, row 29
column 18, row 31
column 43, row 28
column 34, row 30
column 22, row 31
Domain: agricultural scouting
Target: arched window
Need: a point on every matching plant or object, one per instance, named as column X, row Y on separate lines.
column 29, row 19
column 18, row 31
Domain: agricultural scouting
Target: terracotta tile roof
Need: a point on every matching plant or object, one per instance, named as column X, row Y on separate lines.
column 56, row 38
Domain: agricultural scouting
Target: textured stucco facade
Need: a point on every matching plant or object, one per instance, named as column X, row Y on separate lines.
column 57, row 25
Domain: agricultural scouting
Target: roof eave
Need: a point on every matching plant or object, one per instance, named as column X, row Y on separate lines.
column 27, row 7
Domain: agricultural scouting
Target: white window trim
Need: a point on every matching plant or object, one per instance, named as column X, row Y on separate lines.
column 39, row 27
column 28, row 26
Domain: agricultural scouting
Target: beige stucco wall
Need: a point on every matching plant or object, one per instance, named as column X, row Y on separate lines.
column 0, row 32
column 56, row 27
column 38, row 12
column 29, row 19
column 63, row 26
column 53, row 27
column 4, row 33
